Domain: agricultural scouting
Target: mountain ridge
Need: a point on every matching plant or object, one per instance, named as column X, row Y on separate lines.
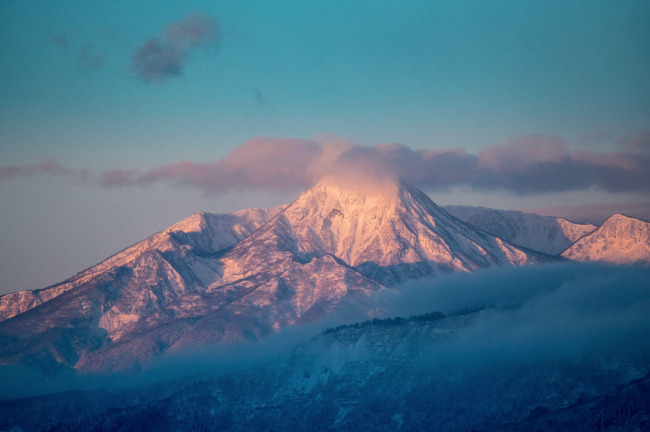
column 242, row 221
column 621, row 239
column 547, row 234
column 215, row 279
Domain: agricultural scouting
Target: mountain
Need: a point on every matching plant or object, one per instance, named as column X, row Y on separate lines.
column 205, row 230
column 223, row 278
column 391, row 236
column 620, row 240
column 548, row 234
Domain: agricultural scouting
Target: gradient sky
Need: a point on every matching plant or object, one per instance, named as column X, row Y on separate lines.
column 426, row 74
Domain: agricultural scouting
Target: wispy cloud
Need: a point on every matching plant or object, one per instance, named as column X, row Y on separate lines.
column 558, row 311
column 89, row 58
column 639, row 142
column 48, row 167
column 260, row 97
column 530, row 164
column 162, row 58
column 61, row 40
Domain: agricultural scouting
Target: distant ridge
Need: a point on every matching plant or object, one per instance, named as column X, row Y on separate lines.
column 620, row 240
column 548, row 234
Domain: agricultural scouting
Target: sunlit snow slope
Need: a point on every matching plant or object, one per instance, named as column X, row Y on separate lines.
column 202, row 230
column 548, row 234
column 620, row 240
column 220, row 278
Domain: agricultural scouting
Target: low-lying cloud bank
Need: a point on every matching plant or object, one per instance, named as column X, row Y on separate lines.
column 530, row 164
column 553, row 314
column 548, row 312
column 173, row 367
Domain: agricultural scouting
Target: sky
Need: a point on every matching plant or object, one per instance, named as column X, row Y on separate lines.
column 119, row 118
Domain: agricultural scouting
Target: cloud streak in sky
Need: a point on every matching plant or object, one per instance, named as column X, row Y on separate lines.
column 89, row 58
column 61, row 40
column 527, row 165
column 48, row 167
column 160, row 59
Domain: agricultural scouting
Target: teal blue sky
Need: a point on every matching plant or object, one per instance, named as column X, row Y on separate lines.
column 426, row 74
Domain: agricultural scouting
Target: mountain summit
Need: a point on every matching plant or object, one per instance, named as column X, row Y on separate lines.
column 221, row 278
column 389, row 235
column 620, row 240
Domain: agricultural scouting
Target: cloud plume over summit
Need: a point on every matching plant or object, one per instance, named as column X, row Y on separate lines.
column 529, row 164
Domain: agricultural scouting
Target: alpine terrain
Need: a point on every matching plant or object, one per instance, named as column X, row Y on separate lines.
column 620, row 240
column 548, row 234
column 222, row 278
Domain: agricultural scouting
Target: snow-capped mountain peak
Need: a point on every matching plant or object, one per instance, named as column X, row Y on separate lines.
column 620, row 240
column 390, row 234
column 219, row 278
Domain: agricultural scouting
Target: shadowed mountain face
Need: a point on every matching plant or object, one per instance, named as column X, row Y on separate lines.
column 223, row 278
column 389, row 375
column 548, row 234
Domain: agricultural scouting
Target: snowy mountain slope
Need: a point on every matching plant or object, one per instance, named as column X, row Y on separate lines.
column 202, row 230
column 332, row 249
column 390, row 236
column 620, row 240
column 547, row 234
column 249, row 308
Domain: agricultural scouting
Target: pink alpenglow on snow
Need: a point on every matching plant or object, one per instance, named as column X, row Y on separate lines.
column 620, row 240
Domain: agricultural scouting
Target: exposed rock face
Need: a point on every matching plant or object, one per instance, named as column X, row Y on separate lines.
column 548, row 234
column 220, row 278
column 620, row 240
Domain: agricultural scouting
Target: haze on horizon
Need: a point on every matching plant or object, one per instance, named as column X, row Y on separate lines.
column 119, row 119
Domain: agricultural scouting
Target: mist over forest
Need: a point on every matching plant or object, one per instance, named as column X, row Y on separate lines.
column 520, row 316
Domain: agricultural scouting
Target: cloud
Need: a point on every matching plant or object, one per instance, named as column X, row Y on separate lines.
column 536, row 313
column 48, row 167
column 88, row 58
column 61, row 40
column 258, row 164
column 160, row 59
column 191, row 364
column 260, row 98
column 530, row 164
column 636, row 143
